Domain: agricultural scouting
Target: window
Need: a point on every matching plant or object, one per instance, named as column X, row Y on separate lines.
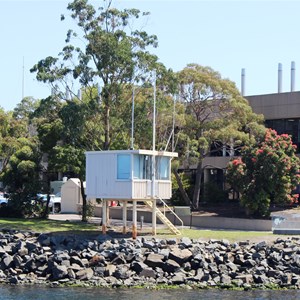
column 142, row 166
column 162, row 168
column 123, row 166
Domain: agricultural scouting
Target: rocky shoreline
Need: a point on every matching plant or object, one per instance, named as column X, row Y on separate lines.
column 34, row 258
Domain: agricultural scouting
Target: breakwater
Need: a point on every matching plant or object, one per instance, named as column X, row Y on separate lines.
column 33, row 258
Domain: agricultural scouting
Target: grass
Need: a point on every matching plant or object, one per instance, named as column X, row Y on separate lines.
column 46, row 226
column 39, row 225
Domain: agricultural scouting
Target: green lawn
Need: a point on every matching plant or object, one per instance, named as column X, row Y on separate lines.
column 37, row 225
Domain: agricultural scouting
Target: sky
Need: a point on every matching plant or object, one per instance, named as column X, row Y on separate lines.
column 226, row 35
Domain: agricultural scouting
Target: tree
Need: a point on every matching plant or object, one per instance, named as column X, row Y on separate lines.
column 266, row 173
column 112, row 57
column 21, row 174
column 217, row 118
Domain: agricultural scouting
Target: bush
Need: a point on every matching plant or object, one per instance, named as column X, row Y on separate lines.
column 213, row 193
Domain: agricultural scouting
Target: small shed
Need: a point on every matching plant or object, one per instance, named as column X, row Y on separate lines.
column 71, row 196
column 127, row 174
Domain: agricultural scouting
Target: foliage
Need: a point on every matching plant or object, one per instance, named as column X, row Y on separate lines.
column 266, row 173
column 22, row 170
column 114, row 55
column 90, row 210
column 213, row 193
column 217, row 117
column 176, row 195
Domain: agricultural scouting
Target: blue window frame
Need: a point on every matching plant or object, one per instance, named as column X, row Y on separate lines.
column 123, row 166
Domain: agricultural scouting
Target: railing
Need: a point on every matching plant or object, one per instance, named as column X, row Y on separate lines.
column 172, row 211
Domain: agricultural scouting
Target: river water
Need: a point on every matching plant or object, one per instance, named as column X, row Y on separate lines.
column 46, row 293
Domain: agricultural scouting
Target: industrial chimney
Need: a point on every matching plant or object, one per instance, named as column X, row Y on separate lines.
column 243, row 82
column 293, row 69
column 279, row 78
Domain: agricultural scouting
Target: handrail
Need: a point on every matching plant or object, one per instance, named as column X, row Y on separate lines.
column 171, row 210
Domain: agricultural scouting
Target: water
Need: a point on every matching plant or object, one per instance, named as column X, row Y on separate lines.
column 46, row 293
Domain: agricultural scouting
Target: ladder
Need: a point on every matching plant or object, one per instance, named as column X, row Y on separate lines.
column 163, row 218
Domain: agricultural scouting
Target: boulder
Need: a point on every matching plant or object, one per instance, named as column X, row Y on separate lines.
column 181, row 256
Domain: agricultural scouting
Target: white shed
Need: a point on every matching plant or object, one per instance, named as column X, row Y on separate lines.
column 71, row 196
column 127, row 174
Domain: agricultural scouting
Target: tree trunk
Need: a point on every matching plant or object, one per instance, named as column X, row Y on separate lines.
column 184, row 194
column 84, row 202
column 46, row 208
column 197, row 188
column 106, row 128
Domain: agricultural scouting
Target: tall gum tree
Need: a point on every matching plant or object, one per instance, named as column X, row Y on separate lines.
column 112, row 55
column 217, row 116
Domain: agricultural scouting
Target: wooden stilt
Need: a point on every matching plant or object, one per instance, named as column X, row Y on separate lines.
column 124, row 217
column 104, row 215
column 154, row 217
column 134, row 220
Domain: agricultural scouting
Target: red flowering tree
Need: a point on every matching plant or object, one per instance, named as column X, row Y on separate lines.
column 266, row 173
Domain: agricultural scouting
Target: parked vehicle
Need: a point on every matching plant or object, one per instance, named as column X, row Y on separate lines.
column 54, row 203
column 3, row 199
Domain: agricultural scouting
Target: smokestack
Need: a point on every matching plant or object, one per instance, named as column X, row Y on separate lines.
column 243, row 82
column 293, row 69
column 279, row 78
column 79, row 94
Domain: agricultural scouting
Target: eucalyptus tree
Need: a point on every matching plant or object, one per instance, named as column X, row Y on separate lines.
column 217, row 119
column 112, row 56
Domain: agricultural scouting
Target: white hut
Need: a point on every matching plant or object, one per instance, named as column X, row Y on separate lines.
column 71, row 196
column 129, row 175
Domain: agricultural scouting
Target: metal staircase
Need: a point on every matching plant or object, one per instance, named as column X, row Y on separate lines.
column 163, row 218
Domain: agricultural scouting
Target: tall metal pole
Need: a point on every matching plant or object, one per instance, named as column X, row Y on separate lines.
column 173, row 125
column 132, row 120
column 154, row 134
column 153, row 157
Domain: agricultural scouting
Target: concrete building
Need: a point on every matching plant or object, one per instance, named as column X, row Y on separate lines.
column 281, row 111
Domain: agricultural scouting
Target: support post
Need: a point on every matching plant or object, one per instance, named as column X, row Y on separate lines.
column 154, row 217
column 104, row 214
column 134, row 220
column 124, row 217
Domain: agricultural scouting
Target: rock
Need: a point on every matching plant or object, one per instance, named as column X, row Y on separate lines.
column 85, row 274
column 170, row 266
column 263, row 279
column 14, row 280
column 225, row 279
column 148, row 272
column 178, row 278
column 59, row 272
column 181, row 256
column 76, row 260
column 138, row 266
column 185, row 242
column 109, row 270
column 44, row 239
column 122, row 272
column 154, row 260
column 7, row 261
column 246, row 278
column 71, row 273
column 96, row 260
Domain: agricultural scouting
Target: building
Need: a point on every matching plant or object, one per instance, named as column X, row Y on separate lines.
column 281, row 111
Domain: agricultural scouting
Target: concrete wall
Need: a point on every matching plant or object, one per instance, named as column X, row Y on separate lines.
column 276, row 106
column 195, row 221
